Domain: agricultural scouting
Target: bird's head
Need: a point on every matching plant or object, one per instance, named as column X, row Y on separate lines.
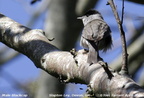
column 90, row 15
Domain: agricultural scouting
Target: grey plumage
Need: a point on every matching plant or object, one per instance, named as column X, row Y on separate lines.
column 96, row 35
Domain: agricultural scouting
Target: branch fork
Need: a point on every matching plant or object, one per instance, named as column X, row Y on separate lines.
column 124, row 68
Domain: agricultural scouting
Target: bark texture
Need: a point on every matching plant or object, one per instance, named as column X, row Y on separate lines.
column 65, row 65
column 62, row 25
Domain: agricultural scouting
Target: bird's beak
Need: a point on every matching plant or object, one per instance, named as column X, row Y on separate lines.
column 80, row 17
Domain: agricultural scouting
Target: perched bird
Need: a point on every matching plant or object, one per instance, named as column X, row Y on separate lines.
column 96, row 35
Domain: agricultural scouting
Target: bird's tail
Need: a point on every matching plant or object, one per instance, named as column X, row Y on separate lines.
column 93, row 53
column 106, row 43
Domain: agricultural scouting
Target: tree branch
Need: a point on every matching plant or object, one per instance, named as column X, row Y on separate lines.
column 124, row 68
column 62, row 64
column 122, row 16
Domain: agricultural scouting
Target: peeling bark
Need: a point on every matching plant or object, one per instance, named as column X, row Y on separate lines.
column 62, row 65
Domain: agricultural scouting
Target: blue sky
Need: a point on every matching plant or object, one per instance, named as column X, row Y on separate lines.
column 23, row 70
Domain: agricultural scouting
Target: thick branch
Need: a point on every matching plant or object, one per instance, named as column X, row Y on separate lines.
column 32, row 43
column 63, row 64
column 124, row 68
column 61, row 24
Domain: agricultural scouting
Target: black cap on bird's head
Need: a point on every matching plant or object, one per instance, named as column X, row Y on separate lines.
column 89, row 16
column 91, row 12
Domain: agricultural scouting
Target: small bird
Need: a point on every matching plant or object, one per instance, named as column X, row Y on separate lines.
column 96, row 35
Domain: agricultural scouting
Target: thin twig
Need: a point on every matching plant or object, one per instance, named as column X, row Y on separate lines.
column 106, row 68
column 124, row 68
column 122, row 12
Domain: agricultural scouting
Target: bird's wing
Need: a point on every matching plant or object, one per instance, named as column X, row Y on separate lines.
column 95, row 30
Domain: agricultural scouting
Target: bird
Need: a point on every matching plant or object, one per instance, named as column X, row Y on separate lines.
column 96, row 35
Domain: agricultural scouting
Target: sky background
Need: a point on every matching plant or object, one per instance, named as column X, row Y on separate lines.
column 22, row 70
